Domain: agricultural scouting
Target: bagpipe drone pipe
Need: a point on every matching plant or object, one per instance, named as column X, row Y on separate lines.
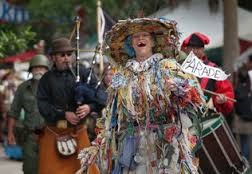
column 86, row 92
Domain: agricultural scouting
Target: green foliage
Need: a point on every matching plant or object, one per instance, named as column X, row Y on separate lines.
column 14, row 41
column 53, row 18
column 57, row 17
column 57, row 13
column 121, row 9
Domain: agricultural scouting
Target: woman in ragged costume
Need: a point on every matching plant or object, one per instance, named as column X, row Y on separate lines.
column 151, row 104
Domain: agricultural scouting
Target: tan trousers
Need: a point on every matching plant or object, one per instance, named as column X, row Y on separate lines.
column 51, row 162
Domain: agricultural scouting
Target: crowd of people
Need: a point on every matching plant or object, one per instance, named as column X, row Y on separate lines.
column 139, row 120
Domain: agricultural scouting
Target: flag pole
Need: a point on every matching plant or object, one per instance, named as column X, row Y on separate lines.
column 99, row 36
column 215, row 93
column 77, row 52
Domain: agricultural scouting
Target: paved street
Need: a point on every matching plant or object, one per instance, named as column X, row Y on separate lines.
column 9, row 166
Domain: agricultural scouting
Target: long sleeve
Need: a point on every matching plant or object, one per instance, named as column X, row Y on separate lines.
column 46, row 108
column 16, row 105
column 224, row 87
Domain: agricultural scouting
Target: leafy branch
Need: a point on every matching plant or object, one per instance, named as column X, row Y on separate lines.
column 13, row 42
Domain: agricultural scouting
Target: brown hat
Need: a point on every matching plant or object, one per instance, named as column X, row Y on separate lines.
column 61, row 45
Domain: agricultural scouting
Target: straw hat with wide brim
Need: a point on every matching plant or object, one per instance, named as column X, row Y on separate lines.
column 164, row 32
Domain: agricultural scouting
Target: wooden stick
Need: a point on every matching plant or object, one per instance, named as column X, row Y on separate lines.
column 215, row 93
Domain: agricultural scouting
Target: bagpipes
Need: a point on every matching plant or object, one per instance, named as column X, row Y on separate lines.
column 87, row 92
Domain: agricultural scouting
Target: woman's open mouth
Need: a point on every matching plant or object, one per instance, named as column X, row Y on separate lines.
column 141, row 44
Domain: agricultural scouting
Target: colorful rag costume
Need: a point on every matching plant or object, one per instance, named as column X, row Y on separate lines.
column 146, row 128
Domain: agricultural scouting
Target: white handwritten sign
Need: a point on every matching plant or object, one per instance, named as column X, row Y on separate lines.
column 193, row 65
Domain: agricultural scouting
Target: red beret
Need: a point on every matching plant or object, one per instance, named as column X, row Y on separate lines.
column 196, row 39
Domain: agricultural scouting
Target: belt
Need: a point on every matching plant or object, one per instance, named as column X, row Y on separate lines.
column 64, row 124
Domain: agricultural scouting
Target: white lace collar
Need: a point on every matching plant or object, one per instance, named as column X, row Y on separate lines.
column 136, row 66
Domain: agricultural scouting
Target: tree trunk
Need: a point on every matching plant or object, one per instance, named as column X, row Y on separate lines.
column 231, row 43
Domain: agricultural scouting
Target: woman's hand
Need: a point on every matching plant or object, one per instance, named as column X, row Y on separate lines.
column 87, row 156
column 171, row 85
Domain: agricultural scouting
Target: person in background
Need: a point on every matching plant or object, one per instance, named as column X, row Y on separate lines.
column 63, row 114
column 25, row 98
column 196, row 42
column 242, row 124
column 8, row 87
column 96, row 124
column 107, row 76
column 90, row 122
column 2, row 120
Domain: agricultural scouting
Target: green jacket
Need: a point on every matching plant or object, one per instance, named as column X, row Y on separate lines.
column 25, row 98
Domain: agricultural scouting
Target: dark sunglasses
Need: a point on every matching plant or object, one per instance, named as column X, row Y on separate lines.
column 63, row 54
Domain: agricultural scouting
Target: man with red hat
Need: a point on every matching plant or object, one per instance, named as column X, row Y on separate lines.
column 196, row 42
